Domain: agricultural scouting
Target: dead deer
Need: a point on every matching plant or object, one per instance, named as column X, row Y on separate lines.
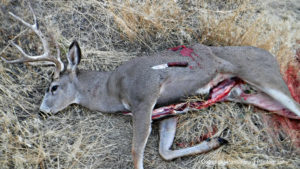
column 160, row 81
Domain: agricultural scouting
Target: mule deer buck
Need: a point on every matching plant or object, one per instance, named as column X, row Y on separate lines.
column 152, row 87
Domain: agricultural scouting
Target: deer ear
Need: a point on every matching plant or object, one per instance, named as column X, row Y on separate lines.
column 74, row 56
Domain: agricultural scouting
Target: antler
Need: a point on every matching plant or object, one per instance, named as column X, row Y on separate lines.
column 46, row 56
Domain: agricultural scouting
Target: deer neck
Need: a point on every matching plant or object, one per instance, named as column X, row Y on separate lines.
column 93, row 92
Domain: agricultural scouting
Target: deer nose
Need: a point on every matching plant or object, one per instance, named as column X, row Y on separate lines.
column 45, row 109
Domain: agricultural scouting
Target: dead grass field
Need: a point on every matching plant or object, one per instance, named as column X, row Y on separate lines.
column 111, row 32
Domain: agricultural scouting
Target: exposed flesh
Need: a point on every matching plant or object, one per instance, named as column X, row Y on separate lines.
column 231, row 89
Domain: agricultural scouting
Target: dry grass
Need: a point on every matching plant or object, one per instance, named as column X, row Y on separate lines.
column 111, row 32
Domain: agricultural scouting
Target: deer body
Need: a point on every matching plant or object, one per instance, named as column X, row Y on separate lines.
column 144, row 83
column 110, row 91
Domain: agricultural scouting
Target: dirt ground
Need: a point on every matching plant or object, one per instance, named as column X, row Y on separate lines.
column 112, row 32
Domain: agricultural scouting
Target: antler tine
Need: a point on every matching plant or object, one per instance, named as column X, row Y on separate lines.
column 34, row 17
column 46, row 55
column 60, row 66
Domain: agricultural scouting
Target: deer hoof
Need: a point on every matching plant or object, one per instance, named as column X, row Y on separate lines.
column 222, row 141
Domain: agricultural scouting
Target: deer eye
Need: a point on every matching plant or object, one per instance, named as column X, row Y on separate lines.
column 54, row 88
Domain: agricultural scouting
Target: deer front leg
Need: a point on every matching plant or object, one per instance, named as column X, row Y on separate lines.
column 141, row 132
column 167, row 133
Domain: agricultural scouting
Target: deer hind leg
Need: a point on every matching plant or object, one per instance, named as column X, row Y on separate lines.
column 167, row 133
column 264, row 74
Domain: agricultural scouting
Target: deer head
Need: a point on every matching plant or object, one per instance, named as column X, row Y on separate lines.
column 62, row 90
